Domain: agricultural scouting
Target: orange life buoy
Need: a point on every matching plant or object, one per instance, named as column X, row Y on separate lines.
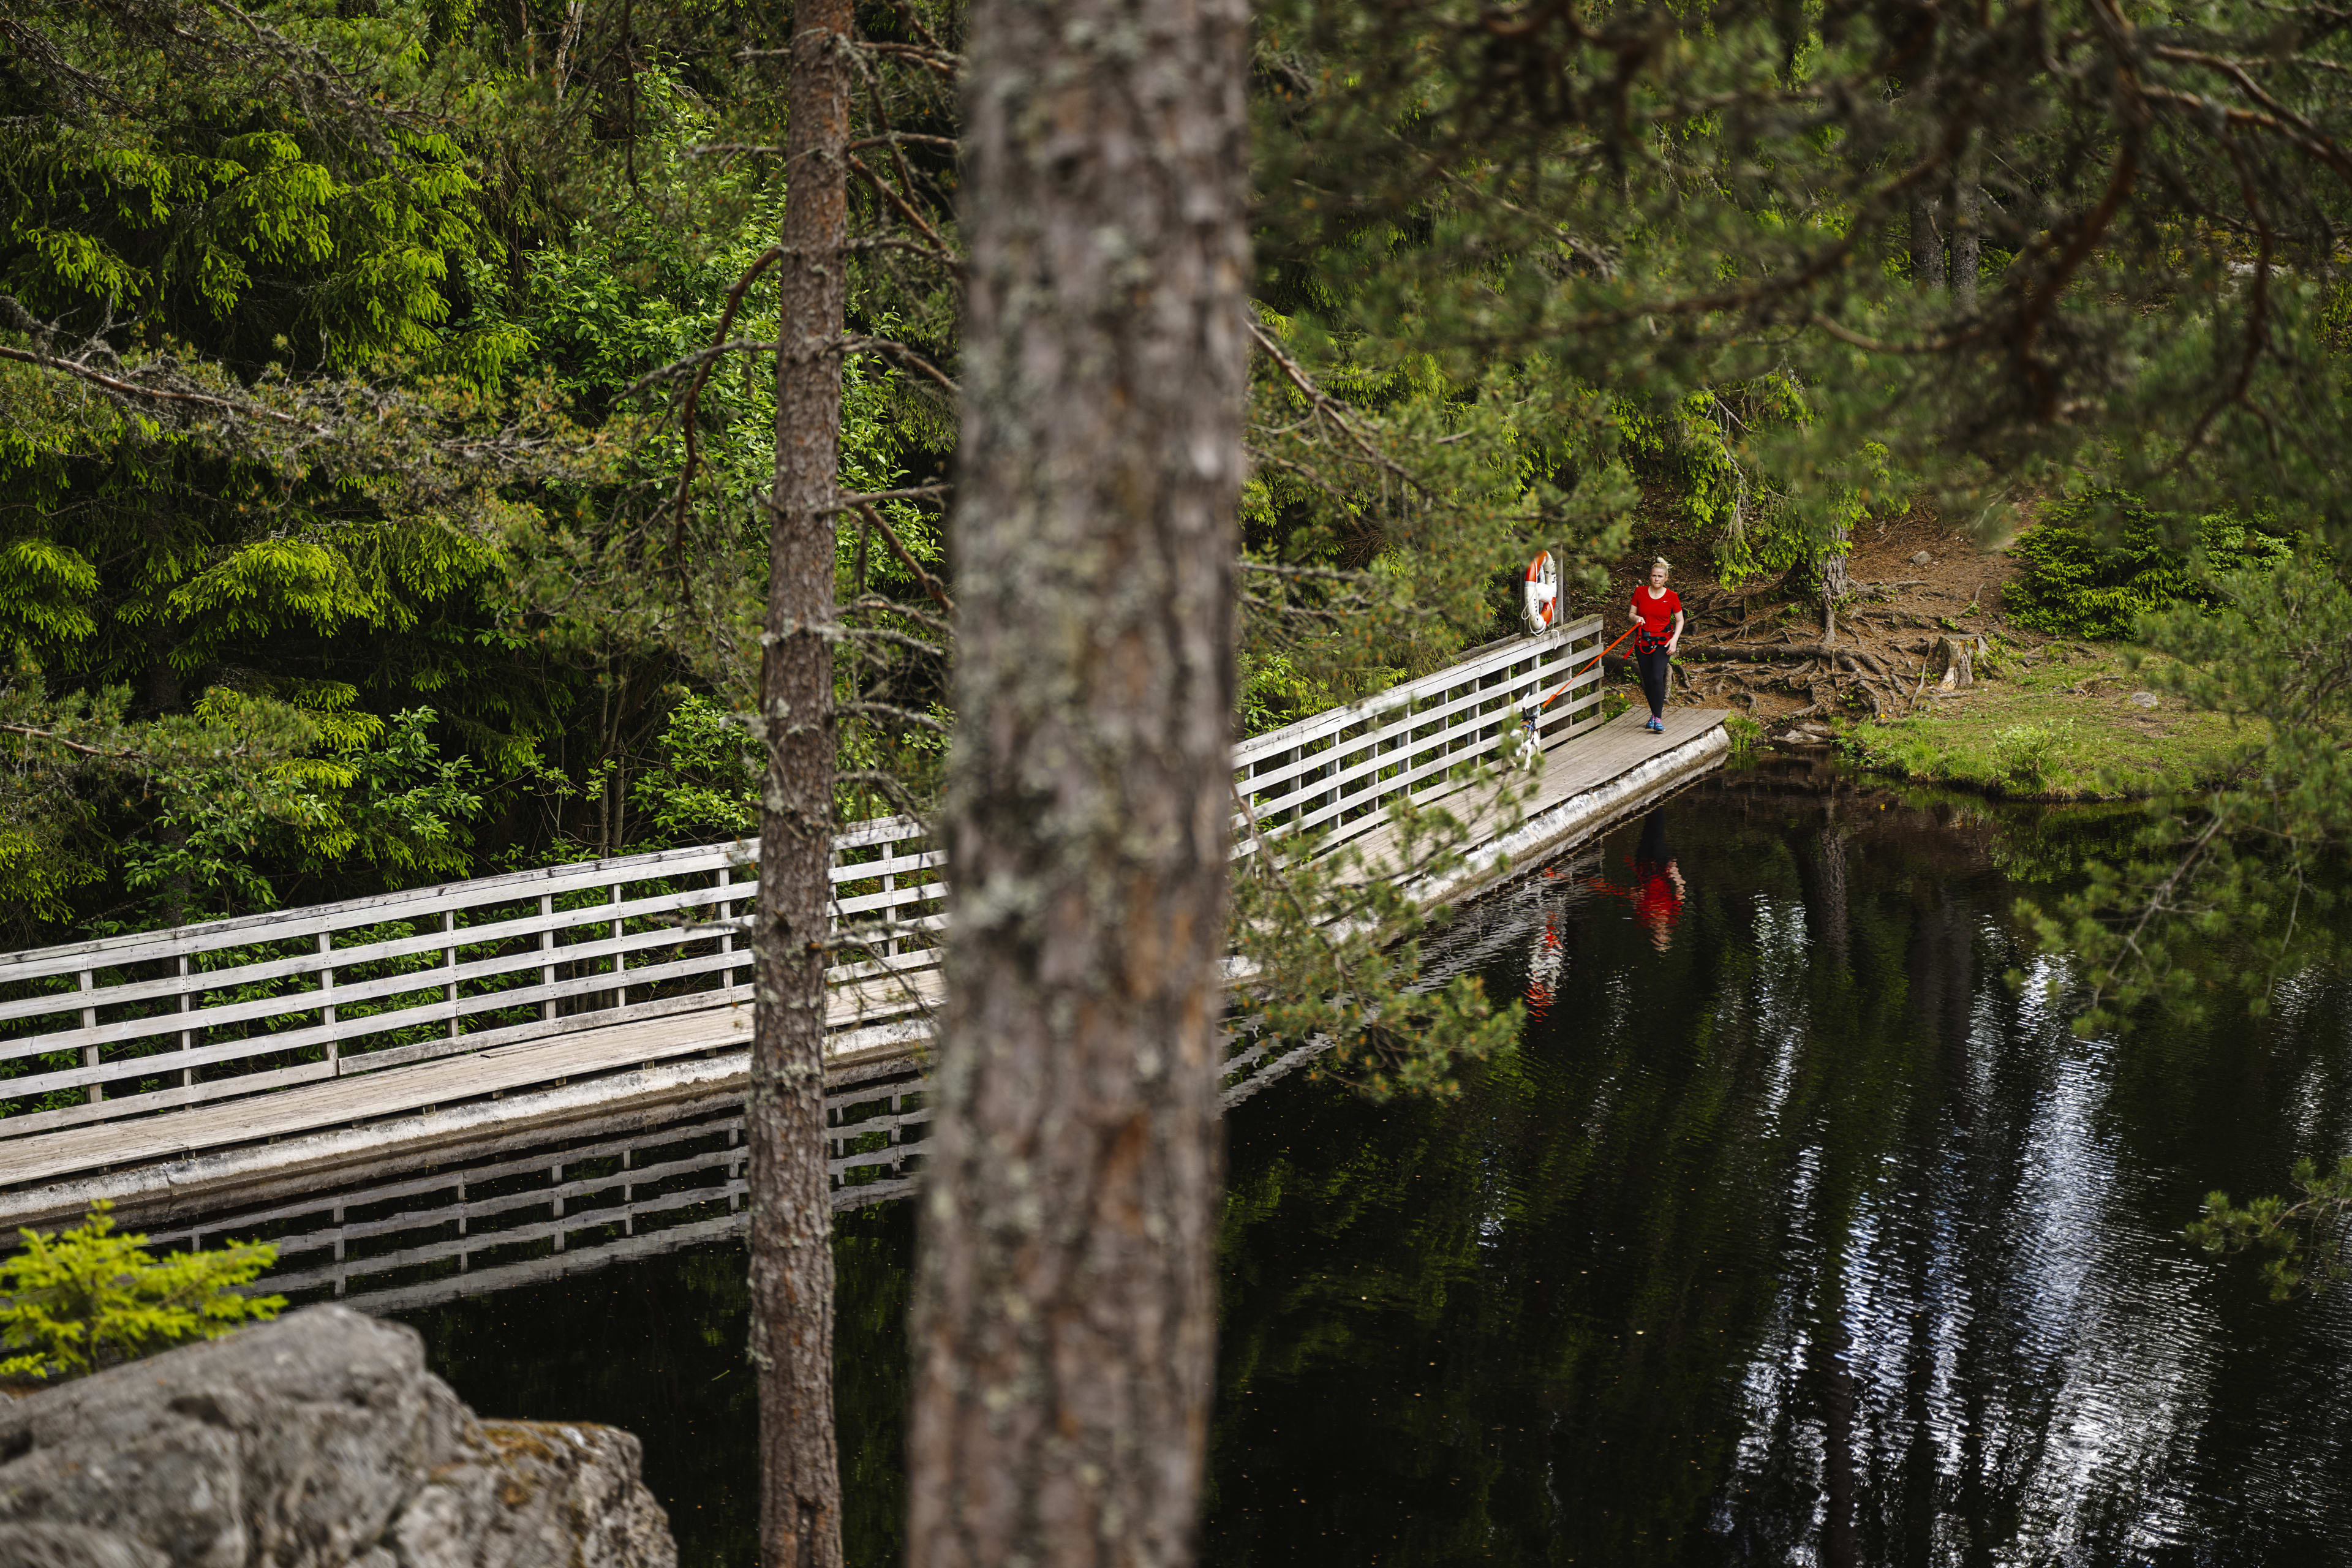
column 1540, row 596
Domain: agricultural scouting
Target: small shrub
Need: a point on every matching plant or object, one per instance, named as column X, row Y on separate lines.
column 2078, row 581
column 2023, row 753
column 1744, row 733
column 88, row 1298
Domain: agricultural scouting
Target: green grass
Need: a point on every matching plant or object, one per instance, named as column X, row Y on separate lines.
column 2056, row 724
column 1744, row 733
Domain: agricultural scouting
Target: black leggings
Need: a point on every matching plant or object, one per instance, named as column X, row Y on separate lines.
column 1653, row 664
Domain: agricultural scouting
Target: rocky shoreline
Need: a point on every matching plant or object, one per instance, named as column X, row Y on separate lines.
column 317, row 1441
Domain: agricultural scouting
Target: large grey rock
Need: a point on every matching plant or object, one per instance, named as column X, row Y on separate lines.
column 314, row 1442
column 72, row 1546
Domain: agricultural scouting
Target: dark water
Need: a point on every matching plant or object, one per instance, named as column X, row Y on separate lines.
column 1791, row 1233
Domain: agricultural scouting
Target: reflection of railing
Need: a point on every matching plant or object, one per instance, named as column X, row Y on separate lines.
column 515, row 1216
column 97, row 1031
column 505, row 1214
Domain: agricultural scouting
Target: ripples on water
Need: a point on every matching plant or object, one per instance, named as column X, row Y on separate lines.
column 1791, row 1233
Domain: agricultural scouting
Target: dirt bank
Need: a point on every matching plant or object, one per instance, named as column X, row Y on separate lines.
column 2045, row 718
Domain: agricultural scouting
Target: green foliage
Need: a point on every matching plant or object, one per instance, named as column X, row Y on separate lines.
column 402, row 618
column 1691, row 448
column 87, row 1299
column 2096, row 563
column 2233, row 889
column 363, row 789
column 225, row 208
column 704, row 785
column 241, row 791
column 640, row 282
column 2300, row 1243
column 1273, row 693
column 1394, row 494
column 247, row 608
column 1708, row 453
column 2027, row 753
column 1337, row 934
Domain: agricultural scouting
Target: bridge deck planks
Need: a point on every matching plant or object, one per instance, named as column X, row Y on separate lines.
column 1584, row 763
column 366, row 1096
column 445, row 1081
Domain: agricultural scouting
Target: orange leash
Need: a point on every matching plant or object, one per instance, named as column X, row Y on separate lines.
column 1579, row 670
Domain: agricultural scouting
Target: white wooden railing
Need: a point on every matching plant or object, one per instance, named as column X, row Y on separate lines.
column 99, row 1030
column 103, row 1029
column 1338, row 772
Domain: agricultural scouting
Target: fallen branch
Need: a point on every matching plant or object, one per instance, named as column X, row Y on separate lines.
column 132, row 389
column 913, row 492
column 52, row 737
column 1770, row 651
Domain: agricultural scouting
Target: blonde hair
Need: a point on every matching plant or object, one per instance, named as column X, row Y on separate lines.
column 1658, row 564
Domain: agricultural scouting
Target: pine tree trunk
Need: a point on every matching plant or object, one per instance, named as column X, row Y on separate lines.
column 1926, row 242
column 1828, row 894
column 1967, row 213
column 1065, row 1308
column 1831, row 581
column 791, row 1251
column 1926, row 204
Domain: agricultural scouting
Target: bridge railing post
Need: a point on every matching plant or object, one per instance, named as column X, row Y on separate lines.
column 726, row 878
column 620, row 959
column 449, row 960
column 90, row 1052
column 547, row 945
column 326, row 990
column 188, row 1037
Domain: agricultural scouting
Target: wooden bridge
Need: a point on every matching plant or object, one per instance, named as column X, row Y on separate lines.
column 267, row 1053
column 523, row 1208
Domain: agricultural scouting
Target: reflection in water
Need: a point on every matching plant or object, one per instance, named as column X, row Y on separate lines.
column 1818, row 1242
column 1656, row 893
column 1657, row 882
column 1801, row 1238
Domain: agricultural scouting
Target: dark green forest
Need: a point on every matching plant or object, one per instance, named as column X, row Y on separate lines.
column 418, row 418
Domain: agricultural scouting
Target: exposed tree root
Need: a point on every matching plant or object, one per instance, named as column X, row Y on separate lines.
column 1863, row 665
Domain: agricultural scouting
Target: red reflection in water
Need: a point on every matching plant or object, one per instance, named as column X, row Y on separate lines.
column 1657, row 889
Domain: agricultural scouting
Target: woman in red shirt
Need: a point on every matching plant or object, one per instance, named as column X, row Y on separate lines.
column 1658, row 631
